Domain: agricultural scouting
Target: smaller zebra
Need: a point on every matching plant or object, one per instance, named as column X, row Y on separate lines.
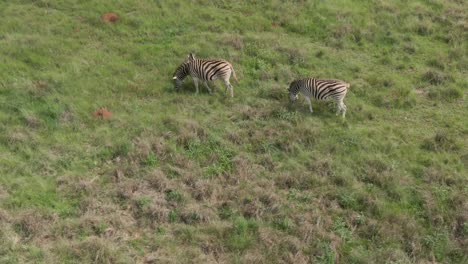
column 205, row 70
column 320, row 90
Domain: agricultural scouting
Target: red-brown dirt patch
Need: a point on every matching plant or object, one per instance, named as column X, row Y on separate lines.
column 110, row 17
column 103, row 113
column 41, row 84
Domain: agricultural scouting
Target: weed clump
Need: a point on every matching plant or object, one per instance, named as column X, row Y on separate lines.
column 424, row 29
column 29, row 224
column 234, row 41
column 319, row 54
column 275, row 93
column 290, row 116
column 282, row 223
column 445, row 93
column 91, row 250
column 296, row 181
column 434, row 77
column 242, row 234
column 409, row 48
column 194, row 214
column 189, row 132
column 296, row 56
column 437, row 63
column 442, row 141
column 174, row 196
column 151, row 160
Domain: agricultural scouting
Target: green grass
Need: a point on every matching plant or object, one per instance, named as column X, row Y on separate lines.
column 176, row 178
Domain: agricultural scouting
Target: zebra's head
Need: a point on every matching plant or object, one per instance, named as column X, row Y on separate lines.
column 182, row 71
column 292, row 94
column 177, row 82
column 180, row 74
column 293, row 97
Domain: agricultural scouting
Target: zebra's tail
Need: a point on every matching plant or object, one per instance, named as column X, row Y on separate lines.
column 234, row 74
column 348, row 85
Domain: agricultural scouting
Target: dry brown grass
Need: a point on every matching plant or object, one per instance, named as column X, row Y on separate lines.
column 92, row 250
column 32, row 225
column 234, row 41
column 18, row 137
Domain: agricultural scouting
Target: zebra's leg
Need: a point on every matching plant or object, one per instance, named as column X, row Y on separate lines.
column 310, row 103
column 232, row 90
column 228, row 86
column 343, row 109
column 207, row 87
column 338, row 107
column 195, row 81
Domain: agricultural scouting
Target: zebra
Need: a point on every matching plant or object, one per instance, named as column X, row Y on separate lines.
column 205, row 70
column 320, row 90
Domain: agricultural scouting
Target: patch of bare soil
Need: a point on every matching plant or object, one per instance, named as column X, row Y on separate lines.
column 102, row 113
column 110, row 17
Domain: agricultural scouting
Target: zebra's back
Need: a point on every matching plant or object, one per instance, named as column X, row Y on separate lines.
column 209, row 70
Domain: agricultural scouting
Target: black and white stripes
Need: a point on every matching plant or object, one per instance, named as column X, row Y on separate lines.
column 320, row 90
column 210, row 70
column 205, row 70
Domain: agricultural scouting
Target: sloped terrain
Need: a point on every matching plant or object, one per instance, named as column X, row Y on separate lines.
column 101, row 161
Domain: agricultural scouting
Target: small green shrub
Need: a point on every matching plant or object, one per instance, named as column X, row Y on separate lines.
column 424, row 29
column 242, row 235
column 216, row 158
column 282, row 223
column 151, row 160
column 174, row 196
column 434, row 77
column 445, row 93
column 441, row 142
column 436, row 63
column 346, row 200
column 121, row 150
column 173, row 216
column 225, row 211
column 287, row 115
column 143, row 201
column 275, row 93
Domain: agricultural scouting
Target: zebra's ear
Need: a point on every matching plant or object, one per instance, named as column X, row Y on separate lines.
column 191, row 56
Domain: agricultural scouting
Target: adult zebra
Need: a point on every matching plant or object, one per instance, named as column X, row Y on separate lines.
column 205, row 70
column 320, row 90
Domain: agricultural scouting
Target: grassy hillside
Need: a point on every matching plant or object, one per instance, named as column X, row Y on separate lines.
column 176, row 178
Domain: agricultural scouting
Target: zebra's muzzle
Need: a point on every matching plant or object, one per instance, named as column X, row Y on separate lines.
column 292, row 98
column 177, row 82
